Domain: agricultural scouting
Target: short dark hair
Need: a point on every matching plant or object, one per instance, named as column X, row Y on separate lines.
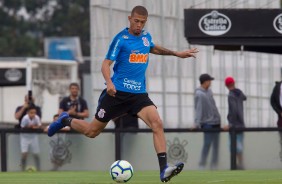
column 73, row 84
column 31, row 107
column 140, row 10
column 55, row 116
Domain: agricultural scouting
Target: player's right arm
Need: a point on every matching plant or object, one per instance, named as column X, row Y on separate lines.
column 106, row 71
column 111, row 56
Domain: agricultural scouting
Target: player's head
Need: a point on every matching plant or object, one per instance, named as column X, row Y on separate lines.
column 31, row 111
column 74, row 89
column 137, row 19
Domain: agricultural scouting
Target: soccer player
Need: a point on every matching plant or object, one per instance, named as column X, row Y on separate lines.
column 126, row 89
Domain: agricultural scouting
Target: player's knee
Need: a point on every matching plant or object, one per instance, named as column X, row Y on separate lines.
column 157, row 124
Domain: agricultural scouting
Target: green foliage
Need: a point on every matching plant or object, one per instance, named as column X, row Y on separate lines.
column 23, row 35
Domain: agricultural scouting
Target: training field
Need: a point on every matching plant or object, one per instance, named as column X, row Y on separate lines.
column 146, row 177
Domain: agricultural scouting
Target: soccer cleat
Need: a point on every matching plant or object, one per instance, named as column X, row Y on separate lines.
column 57, row 125
column 171, row 171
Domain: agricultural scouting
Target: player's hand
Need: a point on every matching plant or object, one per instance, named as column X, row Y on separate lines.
column 188, row 53
column 111, row 90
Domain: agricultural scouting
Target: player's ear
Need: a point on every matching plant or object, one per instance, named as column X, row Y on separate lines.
column 129, row 17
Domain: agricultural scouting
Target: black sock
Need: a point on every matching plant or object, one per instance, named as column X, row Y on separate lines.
column 67, row 121
column 162, row 160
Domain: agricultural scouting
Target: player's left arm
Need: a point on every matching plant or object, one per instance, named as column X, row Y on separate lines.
column 159, row 50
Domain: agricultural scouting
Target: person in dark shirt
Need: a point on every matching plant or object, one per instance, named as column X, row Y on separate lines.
column 73, row 104
column 276, row 104
column 21, row 110
column 235, row 116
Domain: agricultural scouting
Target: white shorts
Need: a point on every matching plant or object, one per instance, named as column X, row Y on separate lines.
column 29, row 142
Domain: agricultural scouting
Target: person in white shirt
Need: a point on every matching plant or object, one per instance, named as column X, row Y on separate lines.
column 30, row 140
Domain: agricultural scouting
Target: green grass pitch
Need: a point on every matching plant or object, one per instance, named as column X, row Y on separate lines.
column 144, row 177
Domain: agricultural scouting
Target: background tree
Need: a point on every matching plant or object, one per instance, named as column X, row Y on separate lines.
column 25, row 24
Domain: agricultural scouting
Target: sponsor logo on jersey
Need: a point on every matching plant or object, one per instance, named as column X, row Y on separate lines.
column 138, row 58
column 145, row 42
column 131, row 84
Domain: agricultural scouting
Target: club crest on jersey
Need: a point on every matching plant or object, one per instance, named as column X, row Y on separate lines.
column 145, row 42
column 138, row 58
column 101, row 113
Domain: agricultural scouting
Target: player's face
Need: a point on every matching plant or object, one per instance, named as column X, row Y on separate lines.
column 74, row 91
column 137, row 23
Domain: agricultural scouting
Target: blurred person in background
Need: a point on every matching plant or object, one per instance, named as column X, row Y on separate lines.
column 235, row 116
column 30, row 140
column 276, row 104
column 22, row 110
column 207, row 117
column 74, row 104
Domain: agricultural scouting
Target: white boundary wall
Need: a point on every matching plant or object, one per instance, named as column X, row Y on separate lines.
column 172, row 81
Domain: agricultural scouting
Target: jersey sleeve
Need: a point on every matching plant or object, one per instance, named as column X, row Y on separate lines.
column 114, row 48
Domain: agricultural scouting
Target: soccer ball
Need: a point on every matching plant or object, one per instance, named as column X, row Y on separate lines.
column 121, row 171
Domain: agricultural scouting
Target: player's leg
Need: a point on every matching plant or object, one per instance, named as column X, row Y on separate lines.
column 150, row 116
column 90, row 130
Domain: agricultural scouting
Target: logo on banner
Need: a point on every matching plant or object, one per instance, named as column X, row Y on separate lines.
column 214, row 24
column 13, row 75
column 277, row 23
